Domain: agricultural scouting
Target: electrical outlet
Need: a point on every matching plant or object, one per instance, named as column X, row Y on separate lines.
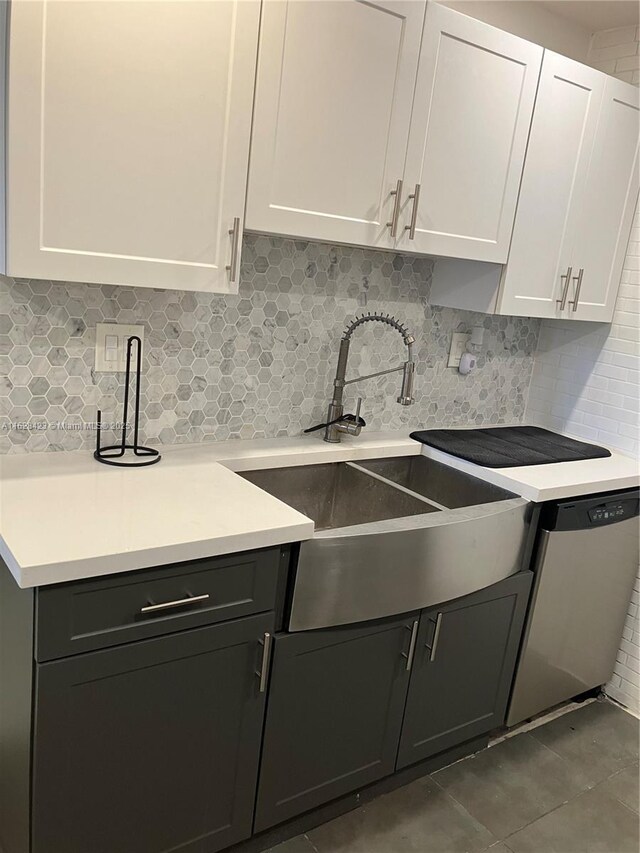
column 111, row 346
column 458, row 346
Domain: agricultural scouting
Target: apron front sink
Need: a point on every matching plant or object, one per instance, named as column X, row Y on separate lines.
column 394, row 535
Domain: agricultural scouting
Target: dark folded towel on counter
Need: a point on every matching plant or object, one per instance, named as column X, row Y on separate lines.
column 508, row 447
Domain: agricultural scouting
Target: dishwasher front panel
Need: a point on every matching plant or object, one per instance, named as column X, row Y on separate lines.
column 582, row 588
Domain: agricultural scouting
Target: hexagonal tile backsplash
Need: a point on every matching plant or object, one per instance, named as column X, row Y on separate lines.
column 255, row 365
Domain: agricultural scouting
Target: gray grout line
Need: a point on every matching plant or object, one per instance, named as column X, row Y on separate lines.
column 546, row 814
column 566, row 761
column 464, row 808
column 628, row 808
column 622, row 707
column 602, row 781
column 310, row 842
column 524, row 826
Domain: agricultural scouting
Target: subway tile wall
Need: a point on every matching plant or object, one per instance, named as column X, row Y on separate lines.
column 616, row 52
column 586, row 378
column 259, row 364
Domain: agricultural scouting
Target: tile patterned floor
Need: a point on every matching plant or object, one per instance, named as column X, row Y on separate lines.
column 569, row 786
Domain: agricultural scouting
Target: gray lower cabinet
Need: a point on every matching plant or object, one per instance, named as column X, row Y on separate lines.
column 463, row 668
column 156, row 744
column 152, row 746
column 336, row 701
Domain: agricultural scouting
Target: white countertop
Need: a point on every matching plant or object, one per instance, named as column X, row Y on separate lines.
column 556, row 481
column 64, row 517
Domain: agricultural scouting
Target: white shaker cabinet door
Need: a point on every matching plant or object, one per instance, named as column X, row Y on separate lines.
column 129, row 127
column 332, row 110
column 537, row 279
column 472, row 112
column 606, row 212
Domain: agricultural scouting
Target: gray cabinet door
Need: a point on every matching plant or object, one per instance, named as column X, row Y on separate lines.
column 336, row 701
column 150, row 747
column 463, row 668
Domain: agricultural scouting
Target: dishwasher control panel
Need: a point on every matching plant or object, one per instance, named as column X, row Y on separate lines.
column 592, row 511
column 614, row 511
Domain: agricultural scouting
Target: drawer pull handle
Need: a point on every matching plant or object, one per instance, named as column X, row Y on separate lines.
column 263, row 672
column 167, row 605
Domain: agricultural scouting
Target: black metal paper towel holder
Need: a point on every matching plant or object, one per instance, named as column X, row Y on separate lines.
column 116, row 454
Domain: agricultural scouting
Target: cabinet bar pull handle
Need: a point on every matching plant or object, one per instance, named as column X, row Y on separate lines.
column 562, row 302
column 393, row 225
column 167, row 605
column 412, row 646
column 436, row 637
column 411, row 228
column 578, row 281
column 235, row 236
column 263, row 674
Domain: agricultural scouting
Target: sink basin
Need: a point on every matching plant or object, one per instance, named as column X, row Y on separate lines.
column 394, row 535
column 444, row 485
column 337, row 494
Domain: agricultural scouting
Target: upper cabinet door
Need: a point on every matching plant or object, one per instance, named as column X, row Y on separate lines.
column 471, row 117
column 129, row 128
column 537, row 280
column 606, row 211
column 333, row 104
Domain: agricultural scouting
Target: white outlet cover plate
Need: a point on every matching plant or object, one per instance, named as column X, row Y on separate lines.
column 458, row 346
column 107, row 332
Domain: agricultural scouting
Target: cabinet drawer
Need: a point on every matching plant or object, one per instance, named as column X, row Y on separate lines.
column 97, row 613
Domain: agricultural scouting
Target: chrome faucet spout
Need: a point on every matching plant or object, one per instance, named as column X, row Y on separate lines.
column 337, row 422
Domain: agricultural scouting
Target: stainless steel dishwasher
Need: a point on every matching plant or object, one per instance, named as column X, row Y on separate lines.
column 585, row 566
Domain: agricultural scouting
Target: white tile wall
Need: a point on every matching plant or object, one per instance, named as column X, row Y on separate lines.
column 616, row 52
column 586, row 376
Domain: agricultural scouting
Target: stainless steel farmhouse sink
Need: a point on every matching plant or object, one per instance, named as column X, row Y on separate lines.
column 440, row 483
column 338, row 494
column 394, row 535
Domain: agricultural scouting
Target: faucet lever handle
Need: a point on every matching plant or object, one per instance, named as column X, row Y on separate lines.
column 354, row 421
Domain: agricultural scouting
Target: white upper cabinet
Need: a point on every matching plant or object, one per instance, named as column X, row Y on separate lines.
column 333, row 101
column 128, row 140
column 471, row 116
column 577, row 198
column 393, row 124
column 338, row 153
column 606, row 211
column 538, row 277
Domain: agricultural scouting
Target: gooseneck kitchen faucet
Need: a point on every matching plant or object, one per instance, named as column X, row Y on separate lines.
column 337, row 422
